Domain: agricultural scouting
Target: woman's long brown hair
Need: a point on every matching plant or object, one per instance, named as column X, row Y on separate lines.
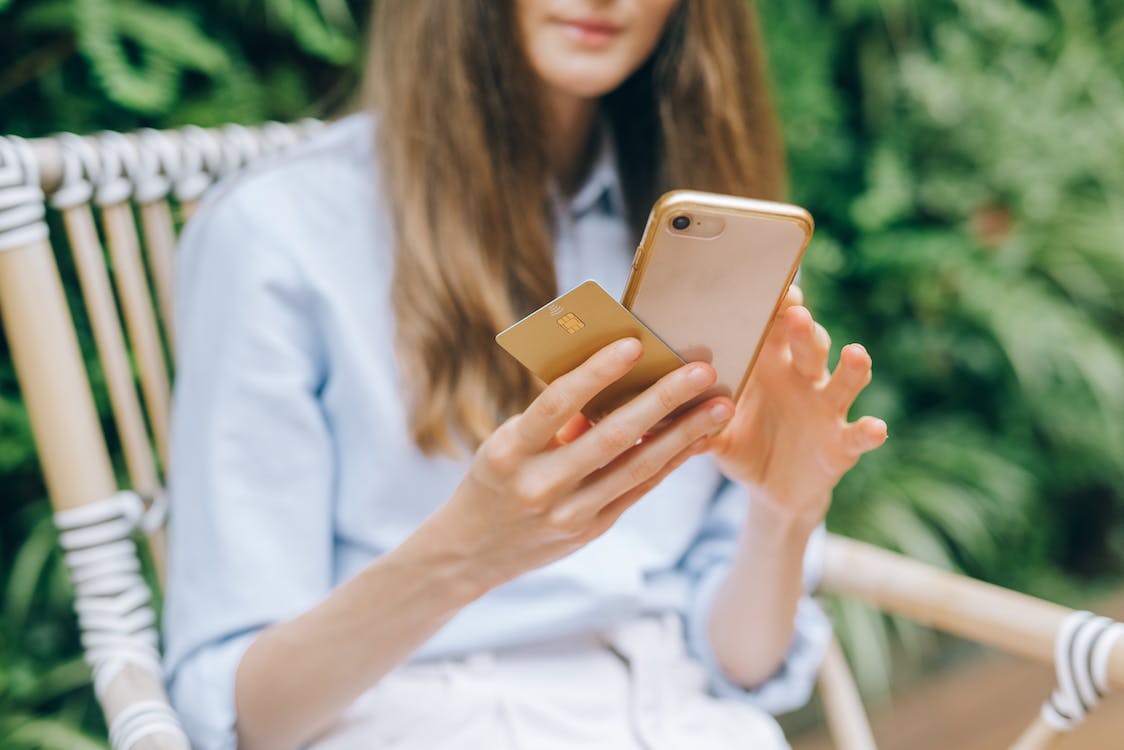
column 460, row 141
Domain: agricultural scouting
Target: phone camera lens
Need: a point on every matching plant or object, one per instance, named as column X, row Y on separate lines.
column 681, row 222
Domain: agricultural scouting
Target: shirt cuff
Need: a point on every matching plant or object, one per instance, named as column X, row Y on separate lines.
column 813, row 559
column 202, row 693
column 790, row 687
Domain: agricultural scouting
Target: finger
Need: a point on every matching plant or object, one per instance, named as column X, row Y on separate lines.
column 563, row 399
column 620, row 431
column 864, row 436
column 609, row 514
column 794, row 296
column 808, row 341
column 572, row 430
column 777, row 336
column 644, row 461
column 852, row 374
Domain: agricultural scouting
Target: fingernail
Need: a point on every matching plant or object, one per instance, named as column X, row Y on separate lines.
column 628, row 349
column 720, row 412
column 699, row 377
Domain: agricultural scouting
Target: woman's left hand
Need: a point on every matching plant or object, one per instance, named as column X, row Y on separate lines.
column 789, row 434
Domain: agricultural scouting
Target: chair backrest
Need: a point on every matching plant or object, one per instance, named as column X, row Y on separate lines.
column 104, row 187
column 153, row 179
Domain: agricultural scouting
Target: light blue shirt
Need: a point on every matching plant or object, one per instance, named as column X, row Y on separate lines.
column 292, row 466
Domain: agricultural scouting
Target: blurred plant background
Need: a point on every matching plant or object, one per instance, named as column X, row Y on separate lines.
column 964, row 160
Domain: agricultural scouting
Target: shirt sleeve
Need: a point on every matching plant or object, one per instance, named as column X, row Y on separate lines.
column 706, row 564
column 250, row 533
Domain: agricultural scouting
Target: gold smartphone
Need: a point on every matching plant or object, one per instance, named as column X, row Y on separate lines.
column 709, row 274
column 562, row 334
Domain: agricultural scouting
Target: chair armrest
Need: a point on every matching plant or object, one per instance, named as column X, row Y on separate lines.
column 1003, row 619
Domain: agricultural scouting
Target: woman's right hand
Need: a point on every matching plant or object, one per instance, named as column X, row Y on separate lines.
column 541, row 486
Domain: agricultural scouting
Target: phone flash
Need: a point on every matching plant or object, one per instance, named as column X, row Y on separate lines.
column 571, row 323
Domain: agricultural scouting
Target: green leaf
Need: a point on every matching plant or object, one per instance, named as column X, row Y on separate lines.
column 48, row 15
column 149, row 85
column 312, row 33
column 175, row 33
column 889, row 195
column 34, row 733
column 27, row 570
column 62, row 678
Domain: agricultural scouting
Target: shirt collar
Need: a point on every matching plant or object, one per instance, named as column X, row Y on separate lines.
column 601, row 191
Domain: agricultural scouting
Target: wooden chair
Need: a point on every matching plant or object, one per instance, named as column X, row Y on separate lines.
column 144, row 179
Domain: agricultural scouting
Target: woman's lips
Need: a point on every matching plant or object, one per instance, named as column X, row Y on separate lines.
column 589, row 32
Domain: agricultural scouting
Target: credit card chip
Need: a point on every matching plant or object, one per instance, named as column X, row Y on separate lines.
column 571, row 323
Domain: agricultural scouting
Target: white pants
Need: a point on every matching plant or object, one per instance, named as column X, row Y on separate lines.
column 633, row 688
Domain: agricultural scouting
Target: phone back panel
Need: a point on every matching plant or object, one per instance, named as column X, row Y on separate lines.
column 713, row 298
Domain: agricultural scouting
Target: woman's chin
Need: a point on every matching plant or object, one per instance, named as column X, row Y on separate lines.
column 586, row 81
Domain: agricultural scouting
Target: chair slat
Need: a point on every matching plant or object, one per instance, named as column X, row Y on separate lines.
column 160, row 241
column 188, row 209
column 158, row 549
column 133, row 685
column 71, row 447
column 1038, row 736
column 140, row 320
column 110, row 341
column 68, row 437
column 846, row 718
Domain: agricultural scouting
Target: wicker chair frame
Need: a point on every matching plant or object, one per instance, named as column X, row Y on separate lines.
column 148, row 179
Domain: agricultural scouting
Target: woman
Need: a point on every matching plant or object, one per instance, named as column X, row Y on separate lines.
column 384, row 533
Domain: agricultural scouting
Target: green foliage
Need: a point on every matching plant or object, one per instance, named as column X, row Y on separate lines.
column 167, row 42
column 120, row 64
column 314, row 35
column 965, row 164
column 42, row 673
column 964, row 160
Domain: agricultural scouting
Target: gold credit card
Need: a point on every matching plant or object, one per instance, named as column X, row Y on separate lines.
column 562, row 334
